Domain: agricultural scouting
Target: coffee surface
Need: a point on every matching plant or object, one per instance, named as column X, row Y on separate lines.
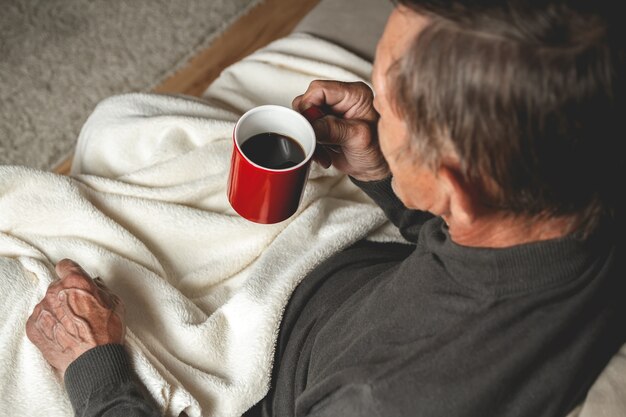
column 273, row 150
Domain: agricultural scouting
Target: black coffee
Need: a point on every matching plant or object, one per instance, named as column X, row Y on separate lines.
column 273, row 150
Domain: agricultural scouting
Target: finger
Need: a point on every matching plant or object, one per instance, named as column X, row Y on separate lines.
column 45, row 324
column 31, row 330
column 76, row 326
column 350, row 100
column 32, row 327
column 118, row 305
column 100, row 283
column 66, row 315
column 67, row 267
column 118, row 308
column 72, row 275
column 330, row 130
column 333, row 131
column 86, row 302
column 295, row 104
column 65, row 340
column 34, row 335
column 321, row 157
column 106, row 297
column 105, row 292
column 323, row 93
column 109, row 297
column 307, row 100
column 95, row 320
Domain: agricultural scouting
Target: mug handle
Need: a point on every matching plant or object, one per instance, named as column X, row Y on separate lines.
column 313, row 113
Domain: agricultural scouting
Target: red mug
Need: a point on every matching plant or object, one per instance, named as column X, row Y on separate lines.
column 270, row 195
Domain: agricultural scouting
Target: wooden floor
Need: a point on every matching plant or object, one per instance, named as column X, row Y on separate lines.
column 268, row 21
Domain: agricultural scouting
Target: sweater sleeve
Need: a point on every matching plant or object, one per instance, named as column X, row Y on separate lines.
column 100, row 383
column 408, row 221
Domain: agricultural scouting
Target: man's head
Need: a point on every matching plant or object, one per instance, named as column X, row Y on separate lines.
column 516, row 102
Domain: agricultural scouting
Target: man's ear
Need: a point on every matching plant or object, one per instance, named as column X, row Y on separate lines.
column 464, row 206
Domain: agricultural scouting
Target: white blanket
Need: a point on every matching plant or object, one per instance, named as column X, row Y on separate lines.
column 145, row 209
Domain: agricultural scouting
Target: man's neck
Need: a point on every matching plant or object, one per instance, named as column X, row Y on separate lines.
column 500, row 231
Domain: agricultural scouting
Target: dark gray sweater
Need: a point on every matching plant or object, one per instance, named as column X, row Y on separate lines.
column 426, row 329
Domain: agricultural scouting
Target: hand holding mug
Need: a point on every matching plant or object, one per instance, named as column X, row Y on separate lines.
column 348, row 132
column 76, row 314
column 273, row 147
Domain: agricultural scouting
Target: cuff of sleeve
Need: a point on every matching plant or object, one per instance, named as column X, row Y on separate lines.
column 380, row 190
column 98, row 367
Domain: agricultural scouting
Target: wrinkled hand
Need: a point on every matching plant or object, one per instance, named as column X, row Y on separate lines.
column 348, row 132
column 76, row 314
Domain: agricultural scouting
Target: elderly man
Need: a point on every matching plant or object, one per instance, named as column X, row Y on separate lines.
column 491, row 143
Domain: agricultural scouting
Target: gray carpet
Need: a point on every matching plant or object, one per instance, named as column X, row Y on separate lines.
column 58, row 58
